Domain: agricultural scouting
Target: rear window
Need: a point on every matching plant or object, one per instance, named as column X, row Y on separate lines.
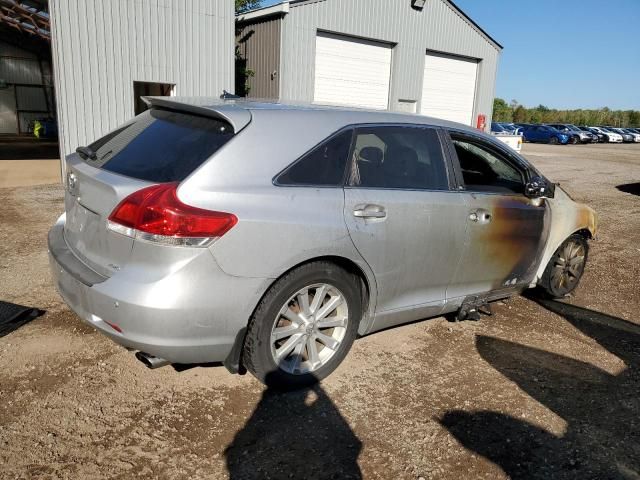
column 160, row 145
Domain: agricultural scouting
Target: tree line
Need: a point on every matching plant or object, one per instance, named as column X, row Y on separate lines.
column 514, row 112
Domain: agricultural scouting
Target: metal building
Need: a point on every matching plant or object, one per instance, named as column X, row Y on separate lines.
column 422, row 56
column 107, row 53
column 26, row 88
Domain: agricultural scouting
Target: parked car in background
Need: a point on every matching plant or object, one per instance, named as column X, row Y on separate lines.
column 626, row 137
column 576, row 135
column 612, row 137
column 506, row 136
column 600, row 137
column 631, row 131
column 510, row 127
column 497, row 128
column 545, row 134
column 180, row 239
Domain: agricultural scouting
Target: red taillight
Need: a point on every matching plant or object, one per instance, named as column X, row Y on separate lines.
column 157, row 212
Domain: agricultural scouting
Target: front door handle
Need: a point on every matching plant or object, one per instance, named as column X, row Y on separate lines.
column 481, row 216
column 369, row 211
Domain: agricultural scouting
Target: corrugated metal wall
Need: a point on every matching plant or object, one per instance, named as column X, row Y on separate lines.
column 8, row 120
column 259, row 45
column 30, row 89
column 438, row 27
column 100, row 47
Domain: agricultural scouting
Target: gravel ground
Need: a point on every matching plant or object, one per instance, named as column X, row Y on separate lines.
column 538, row 390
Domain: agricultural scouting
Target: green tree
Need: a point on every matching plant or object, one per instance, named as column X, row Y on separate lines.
column 243, row 74
column 244, row 5
column 502, row 112
column 521, row 115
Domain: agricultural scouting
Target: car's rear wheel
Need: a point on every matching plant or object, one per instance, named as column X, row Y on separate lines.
column 304, row 326
column 573, row 140
column 565, row 268
column 554, row 140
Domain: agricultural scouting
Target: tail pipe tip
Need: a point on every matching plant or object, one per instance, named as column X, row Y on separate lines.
column 150, row 361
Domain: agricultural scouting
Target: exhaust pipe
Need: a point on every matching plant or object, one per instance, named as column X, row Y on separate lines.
column 150, row 361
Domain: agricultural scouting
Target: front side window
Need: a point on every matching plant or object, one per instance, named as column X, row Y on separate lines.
column 322, row 166
column 486, row 170
column 398, row 157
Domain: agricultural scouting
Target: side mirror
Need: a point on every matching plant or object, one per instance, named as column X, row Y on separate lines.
column 539, row 187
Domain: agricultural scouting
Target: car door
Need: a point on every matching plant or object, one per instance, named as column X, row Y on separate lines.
column 506, row 231
column 403, row 219
column 535, row 134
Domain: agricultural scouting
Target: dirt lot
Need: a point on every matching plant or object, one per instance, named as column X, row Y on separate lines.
column 539, row 390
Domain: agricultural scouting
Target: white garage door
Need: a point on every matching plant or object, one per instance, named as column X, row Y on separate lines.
column 449, row 88
column 352, row 72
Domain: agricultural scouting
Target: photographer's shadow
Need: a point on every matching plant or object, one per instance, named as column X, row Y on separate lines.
column 299, row 434
column 601, row 409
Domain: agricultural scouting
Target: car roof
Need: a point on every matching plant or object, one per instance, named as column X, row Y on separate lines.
column 237, row 111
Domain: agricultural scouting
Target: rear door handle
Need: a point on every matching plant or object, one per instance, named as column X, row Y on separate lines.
column 369, row 211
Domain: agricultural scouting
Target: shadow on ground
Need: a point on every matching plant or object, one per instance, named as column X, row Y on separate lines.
column 602, row 410
column 298, row 434
column 633, row 188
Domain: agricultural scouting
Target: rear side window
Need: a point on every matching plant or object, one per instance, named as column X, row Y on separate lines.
column 398, row 157
column 160, row 145
column 322, row 166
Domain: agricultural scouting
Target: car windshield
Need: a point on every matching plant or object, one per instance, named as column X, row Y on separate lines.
column 496, row 127
column 574, row 128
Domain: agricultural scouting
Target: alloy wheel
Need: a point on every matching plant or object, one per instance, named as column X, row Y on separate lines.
column 568, row 266
column 309, row 328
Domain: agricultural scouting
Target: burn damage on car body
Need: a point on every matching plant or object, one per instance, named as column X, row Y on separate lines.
column 567, row 218
column 445, row 219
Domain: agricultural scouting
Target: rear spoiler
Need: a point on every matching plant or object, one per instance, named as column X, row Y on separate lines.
column 235, row 115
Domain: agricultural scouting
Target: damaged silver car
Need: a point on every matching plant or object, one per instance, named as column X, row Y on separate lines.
column 269, row 236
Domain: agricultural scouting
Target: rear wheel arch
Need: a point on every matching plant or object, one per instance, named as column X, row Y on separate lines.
column 367, row 282
column 367, row 288
column 251, row 341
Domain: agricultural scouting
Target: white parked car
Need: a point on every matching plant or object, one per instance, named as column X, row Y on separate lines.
column 613, row 137
column 636, row 135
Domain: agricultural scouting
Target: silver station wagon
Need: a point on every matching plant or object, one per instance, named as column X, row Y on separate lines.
column 269, row 236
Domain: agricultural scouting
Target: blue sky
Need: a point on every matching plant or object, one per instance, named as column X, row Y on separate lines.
column 563, row 53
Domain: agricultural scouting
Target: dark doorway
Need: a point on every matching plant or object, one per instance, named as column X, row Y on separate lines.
column 149, row 89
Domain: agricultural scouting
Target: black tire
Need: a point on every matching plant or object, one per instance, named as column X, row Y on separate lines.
column 257, row 356
column 549, row 283
column 574, row 140
column 554, row 141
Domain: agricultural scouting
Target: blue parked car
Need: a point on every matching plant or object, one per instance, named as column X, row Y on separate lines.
column 545, row 134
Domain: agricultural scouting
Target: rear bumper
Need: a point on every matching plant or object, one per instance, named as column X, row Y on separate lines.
column 191, row 315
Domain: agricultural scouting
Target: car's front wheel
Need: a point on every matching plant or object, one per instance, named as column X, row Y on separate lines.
column 554, row 140
column 304, row 326
column 565, row 268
